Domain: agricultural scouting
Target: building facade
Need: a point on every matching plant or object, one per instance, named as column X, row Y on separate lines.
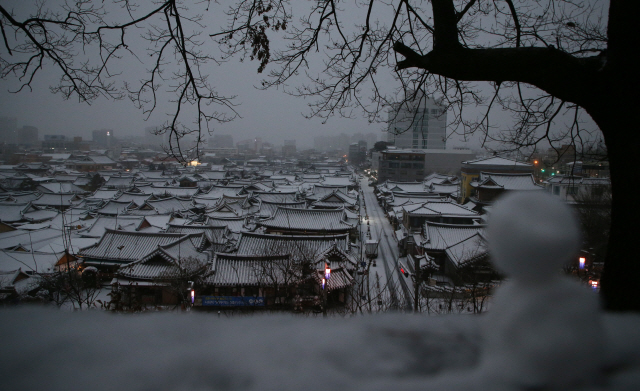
column 420, row 124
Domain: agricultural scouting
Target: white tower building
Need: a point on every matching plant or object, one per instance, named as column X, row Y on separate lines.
column 420, row 124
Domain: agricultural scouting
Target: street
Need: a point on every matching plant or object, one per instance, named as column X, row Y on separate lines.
column 385, row 276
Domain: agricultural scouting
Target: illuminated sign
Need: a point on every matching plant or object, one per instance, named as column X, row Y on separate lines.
column 233, row 301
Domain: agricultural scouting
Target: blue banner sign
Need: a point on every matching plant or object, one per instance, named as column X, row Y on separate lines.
column 232, row 301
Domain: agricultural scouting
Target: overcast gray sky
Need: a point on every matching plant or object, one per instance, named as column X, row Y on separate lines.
column 272, row 115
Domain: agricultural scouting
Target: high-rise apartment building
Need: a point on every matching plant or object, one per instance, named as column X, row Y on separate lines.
column 8, row 127
column 419, row 124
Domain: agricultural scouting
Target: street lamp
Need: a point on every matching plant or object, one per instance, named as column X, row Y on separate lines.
column 325, row 287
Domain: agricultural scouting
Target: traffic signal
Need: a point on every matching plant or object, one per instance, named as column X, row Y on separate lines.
column 542, row 170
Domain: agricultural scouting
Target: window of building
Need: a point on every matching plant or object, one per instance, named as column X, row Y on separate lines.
column 394, row 165
column 405, row 165
column 418, row 165
column 556, row 190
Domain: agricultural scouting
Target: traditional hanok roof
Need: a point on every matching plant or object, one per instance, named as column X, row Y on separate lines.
column 442, row 189
column 275, row 197
column 37, row 262
column 216, row 235
column 404, row 187
column 496, row 161
column 41, row 215
column 335, row 199
column 206, row 201
column 314, row 220
column 575, row 181
column 11, row 212
column 105, row 194
column 220, row 191
column 437, row 236
column 507, row 181
column 117, row 247
column 317, row 191
column 59, row 187
column 166, row 205
column 27, row 239
column 213, row 175
column 468, row 250
column 114, row 207
column 184, row 192
column 440, row 179
column 235, row 224
column 159, row 222
column 226, row 210
column 161, row 263
column 100, row 224
column 151, row 174
column 305, row 247
column 60, row 200
column 119, row 182
column 339, row 279
column 399, row 199
column 267, row 209
column 136, row 198
column 24, row 197
column 438, row 208
column 337, row 181
column 333, row 253
column 252, row 270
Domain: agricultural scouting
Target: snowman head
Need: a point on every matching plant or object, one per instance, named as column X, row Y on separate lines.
column 531, row 235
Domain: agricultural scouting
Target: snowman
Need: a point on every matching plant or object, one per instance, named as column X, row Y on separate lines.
column 543, row 331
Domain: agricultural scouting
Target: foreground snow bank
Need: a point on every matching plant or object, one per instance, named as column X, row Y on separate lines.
column 52, row 350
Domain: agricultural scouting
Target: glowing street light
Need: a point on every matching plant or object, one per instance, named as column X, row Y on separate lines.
column 582, row 261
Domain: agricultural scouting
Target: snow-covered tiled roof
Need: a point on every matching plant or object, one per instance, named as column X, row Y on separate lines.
column 301, row 247
column 507, row 181
column 441, row 236
column 56, row 200
column 497, row 161
column 12, row 211
column 250, row 270
column 28, row 239
column 137, row 198
column 407, row 187
column 467, row 250
column 167, row 205
column 235, row 224
column 274, row 197
column 100, row 224
column 438, row 208
column 122, row 246
column 327, row 220
column 28, row 261
column 339, row 279
column 24, row 197
column 185, row 192
column 214, row 234
column 267, row 209
column 114, row 207
column 105, row 194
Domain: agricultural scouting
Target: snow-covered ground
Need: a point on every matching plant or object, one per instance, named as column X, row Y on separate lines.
column 53, row 350
column 543, row 333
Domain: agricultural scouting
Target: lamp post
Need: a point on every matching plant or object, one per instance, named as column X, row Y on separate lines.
column 325, row 287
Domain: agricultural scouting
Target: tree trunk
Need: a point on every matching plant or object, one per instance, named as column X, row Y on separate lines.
column 620, row 286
